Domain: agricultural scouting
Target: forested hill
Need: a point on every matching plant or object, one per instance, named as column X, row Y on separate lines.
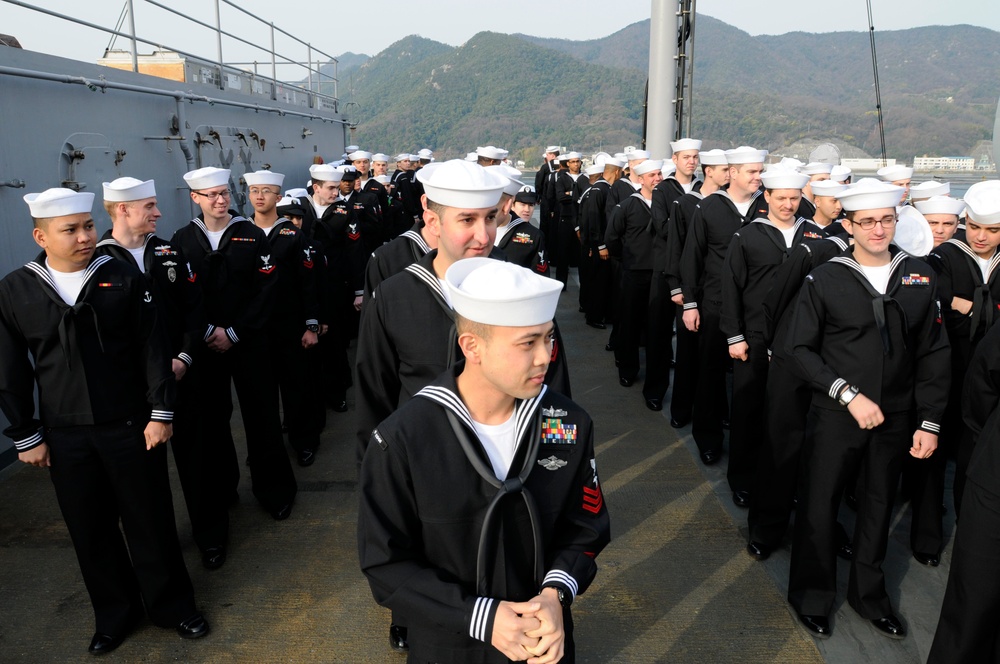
column 939, row 90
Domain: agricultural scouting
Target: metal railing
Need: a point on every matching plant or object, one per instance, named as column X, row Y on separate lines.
column 312, row 65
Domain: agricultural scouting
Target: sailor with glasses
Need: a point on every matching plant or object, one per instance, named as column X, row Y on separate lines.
column 868, row 336
column 234, row 265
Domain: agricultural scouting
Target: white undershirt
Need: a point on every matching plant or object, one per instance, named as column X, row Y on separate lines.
column 984, row 267
column 68, row 284
column 575, row 176
column 689, row 187
column 878, row 276
column 267, row 231
column 320, row 209
column 139, row 254
column 447, row 295
column 498, row 441
column 501, row 231
column 214, row 237
column 788, row 234
column 743, row 207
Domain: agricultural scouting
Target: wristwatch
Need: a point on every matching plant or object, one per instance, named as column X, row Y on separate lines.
column 563, row 597
column 847, row 396
column 313, row 328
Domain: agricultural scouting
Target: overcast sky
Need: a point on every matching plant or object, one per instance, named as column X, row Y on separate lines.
column 368, row 27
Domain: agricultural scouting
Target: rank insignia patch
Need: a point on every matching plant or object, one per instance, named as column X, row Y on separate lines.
column 916, row 280
column 555, row 432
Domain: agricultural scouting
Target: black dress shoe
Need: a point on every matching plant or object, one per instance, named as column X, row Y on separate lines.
column 194, row 627
column 741, row 498
column 102, row 644
column 597, row 326
column 710, row 457
column 890, row 626
column 758, row 550
column 846, row 551
column 678, row 423
column 213, row 557
column 397, row 638
column 339, row 405
column 929, row 559
column 307, row 457
column 818, row 626
column 625, row 382
column 609, row 347
column 282, row 513
column 654, row 404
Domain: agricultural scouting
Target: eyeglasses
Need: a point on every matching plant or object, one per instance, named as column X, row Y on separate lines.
column 255, row 191
column 868, row 224
column 215, row 195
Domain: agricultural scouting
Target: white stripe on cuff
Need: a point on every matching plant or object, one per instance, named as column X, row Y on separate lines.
column 480, row 616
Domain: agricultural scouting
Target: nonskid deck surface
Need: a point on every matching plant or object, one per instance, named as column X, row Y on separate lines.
column 675, row 584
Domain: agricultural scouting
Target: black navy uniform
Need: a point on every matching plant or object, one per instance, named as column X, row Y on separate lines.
column 238, row 283
column 715, row 221
column 686, row 357
column 967, row 629
column 754, row 255
column 296, row 308
column 629, row 238
column 393, row 257
column 423, row 507
column 593, row 225
column 566, row 246
column 894, row 348
column 102, row 368
column 524, row 245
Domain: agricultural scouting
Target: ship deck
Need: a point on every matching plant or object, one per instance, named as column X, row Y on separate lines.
column 675, row 584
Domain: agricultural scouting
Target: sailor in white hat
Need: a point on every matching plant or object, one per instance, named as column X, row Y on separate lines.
column 969, row 265
column 925, row 190
column 362, row 162
column 679, row 177
column 490, row 155
column 232, row 259
column 628, row 239
column 828, row 206
column 326, row 180
column 295, row 319
column 79, row 330
column 569, row 185
column 498, row 400
column 841, row 174
column 873, row 301
column 460, row 207
column 717, row 218
column 943, row 214
column 548, row 208
column 517, row 238
column 600, row 275
column 817, row 172
column 380, row 164
column 755, row 253
column 899, row 175
column 715, row 176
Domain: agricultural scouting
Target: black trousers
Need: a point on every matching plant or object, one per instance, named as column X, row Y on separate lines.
column 746, row 432
column 597, row 302
column 247, row 366
column 659, row 344
column 567, row 247
column 103, row 473
column 207, row 468
column 967, row 630
column 685, row 370
column 299, row 371
column 830, row 455
column 633, row 318
column 710, row 400
column 787, row 403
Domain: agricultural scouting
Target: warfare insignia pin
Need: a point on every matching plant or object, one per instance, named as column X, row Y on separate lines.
column 171, row 274
column 552, row 463
column 554, row 412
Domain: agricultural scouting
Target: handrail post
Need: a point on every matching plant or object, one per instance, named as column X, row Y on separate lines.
column 274, row 67
column 135, row 46
column 218, row 35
